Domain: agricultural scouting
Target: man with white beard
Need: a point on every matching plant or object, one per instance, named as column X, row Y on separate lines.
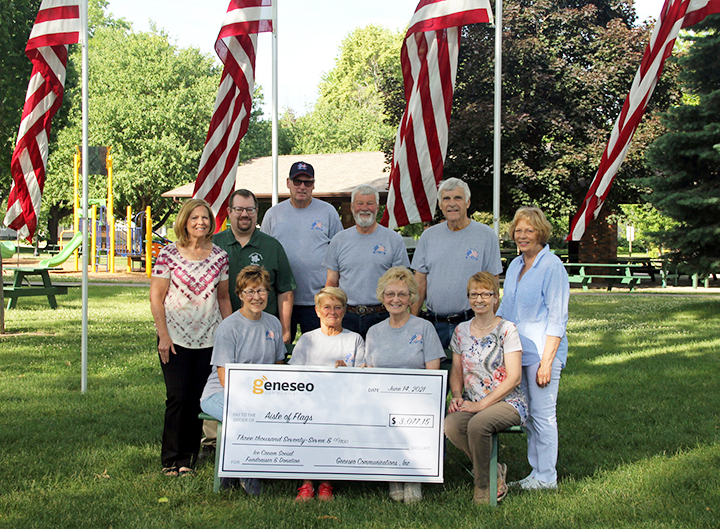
column 358, row 256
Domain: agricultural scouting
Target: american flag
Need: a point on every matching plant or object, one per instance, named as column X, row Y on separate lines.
column 429, row 64
column 57, row 25
column 676, row 14
column 235, row 46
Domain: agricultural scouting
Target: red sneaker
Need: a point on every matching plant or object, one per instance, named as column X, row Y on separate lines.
column 305, row 493
column 325, row 491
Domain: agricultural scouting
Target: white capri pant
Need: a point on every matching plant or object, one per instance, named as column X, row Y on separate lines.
column 542, row 431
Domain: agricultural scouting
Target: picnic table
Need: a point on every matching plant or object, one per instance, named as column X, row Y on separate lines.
column 21, row 286
column 611, row 273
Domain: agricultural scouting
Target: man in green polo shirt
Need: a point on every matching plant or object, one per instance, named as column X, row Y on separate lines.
column 246, row 245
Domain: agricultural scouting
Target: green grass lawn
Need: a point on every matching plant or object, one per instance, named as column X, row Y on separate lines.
column 638, row 414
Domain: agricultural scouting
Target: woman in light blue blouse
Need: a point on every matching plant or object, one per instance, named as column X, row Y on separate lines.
column 535, row 299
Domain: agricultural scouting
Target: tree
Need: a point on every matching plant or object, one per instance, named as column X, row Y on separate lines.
column 686, row 182
column 16, row 20
column 567, row 67
column 349, row 115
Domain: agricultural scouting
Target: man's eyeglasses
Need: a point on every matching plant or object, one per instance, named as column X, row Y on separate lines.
column 238, row 210
column 484, row 295
column 307, row 183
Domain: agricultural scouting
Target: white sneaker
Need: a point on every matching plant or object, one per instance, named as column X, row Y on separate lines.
column 521, row 483
column 413, row 492
column 535, row 484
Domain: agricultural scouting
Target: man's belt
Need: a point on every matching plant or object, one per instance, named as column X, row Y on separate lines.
column 453, row 319
column 364, row 310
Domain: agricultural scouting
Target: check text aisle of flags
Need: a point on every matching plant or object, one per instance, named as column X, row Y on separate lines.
column 676, row 14
column 235, row 46
column 429, row 64
column 57, row 25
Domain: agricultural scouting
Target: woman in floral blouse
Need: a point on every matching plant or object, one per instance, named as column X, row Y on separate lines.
column 484, row 381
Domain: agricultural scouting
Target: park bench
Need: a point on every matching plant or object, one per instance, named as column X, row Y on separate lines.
column 610, row 273
column 22, row 287
column 493, row 461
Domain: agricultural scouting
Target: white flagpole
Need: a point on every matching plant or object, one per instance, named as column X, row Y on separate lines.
column 274, row 103
column 498, row 108
column 84, row 39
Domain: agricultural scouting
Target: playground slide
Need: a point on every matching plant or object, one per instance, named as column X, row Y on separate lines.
column 63, row 256
column 7, row 249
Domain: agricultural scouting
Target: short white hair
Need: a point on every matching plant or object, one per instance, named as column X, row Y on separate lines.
column 454, row 183
column 365, row 190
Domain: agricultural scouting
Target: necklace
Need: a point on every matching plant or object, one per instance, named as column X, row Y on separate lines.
column 483, row 328
column 195, row 254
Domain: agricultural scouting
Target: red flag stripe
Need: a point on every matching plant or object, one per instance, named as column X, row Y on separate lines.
column 57, row 25
column 429, row 65
column 235, row 46
column 675, row 15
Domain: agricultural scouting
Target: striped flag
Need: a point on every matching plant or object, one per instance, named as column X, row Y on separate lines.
column 235, row 46
column 429, row 64
column 676, row 14
column 57, row 25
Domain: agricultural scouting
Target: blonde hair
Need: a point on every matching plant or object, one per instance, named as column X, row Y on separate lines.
column 180, row 224
column 398, row 274
column 537, row 219
column 333, row 293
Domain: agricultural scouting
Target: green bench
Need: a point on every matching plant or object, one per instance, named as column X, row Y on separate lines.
column 216, row 480
column 21, row 286
column 582, row 274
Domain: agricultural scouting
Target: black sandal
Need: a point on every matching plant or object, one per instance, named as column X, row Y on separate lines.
column 170, row 472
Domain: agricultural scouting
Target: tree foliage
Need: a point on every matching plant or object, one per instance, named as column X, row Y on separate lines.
column 16, row 21
column 686, row 184
column 349, row 114
column 567, row 67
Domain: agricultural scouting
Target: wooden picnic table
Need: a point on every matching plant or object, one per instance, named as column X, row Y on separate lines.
column 611, row 273
column 21, row 286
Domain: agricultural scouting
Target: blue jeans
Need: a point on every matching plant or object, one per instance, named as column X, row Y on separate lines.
column 214, row 405
column 361, row 324
column 306, row 317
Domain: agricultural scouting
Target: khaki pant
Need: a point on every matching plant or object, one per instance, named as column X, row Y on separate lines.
column 472, row 433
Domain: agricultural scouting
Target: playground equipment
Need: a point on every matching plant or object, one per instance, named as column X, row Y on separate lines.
column 132, row 239
column 7, row 249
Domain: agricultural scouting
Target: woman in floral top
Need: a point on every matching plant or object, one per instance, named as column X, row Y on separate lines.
column 484, row 381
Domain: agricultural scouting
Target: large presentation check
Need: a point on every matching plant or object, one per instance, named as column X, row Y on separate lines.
column 324, row 423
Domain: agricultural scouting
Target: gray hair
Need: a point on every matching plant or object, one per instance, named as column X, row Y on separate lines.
column 454, row 183
column 365, row 190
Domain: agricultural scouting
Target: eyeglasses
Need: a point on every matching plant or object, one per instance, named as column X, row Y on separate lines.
column 401, row 295
column 251, row 293
column 529, row 231
column 484, row 295
column 239, row 210
column 307, row 183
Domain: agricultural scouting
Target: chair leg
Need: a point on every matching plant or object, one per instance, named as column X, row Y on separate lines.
column 216, row 481
column 493, row 471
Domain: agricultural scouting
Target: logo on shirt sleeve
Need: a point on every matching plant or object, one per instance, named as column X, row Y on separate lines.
column 380, row 249
column 472, row 254
column 416, row 339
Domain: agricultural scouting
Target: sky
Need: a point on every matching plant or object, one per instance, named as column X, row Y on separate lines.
column 309, row 34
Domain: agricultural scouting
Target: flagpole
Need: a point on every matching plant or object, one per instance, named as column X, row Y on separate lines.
column 498, row 108
column 274, row 104
column 84, row 157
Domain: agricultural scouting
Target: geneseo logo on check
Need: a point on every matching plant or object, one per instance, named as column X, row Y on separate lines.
column 325, row 423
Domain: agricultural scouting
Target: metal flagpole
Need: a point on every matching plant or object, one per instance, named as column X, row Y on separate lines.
column 274, row 103
column 498, row 107
column 85, row 223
